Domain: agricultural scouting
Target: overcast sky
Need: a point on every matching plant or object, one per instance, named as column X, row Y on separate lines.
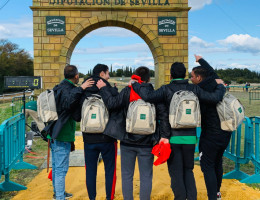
column 225, row 32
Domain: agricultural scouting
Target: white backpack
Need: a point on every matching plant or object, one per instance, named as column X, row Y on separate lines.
column 141, row 118
column 231, row 112
column 46, row 106
column 94, row 115
column 184, row 110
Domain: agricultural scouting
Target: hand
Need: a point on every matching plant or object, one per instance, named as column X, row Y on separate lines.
column 197, row 57
column 100, row 84
column 164, row 140
column 87, row 83
column 115, row 84
column 131, row 82
column 219, row 81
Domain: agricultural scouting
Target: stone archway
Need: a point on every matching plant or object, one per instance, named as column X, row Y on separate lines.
column 135, row 25
column 53, row 52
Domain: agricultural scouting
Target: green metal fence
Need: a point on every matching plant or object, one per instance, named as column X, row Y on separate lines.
column 12, row 146
column 242, row 149
column 254, row 94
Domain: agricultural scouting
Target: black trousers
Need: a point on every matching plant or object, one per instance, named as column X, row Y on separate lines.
column 211, row 153
column 109, row 155
column 180, row 166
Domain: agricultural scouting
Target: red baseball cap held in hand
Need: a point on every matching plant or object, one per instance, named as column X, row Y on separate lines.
column 162, row 151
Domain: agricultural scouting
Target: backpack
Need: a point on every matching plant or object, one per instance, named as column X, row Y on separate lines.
column 184, row 110
column 141, row 118
column 94, row 115
column 231, row 113
column 46, row 106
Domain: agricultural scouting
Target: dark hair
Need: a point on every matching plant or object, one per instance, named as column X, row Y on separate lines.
column 100, row 68
column 143, row 72
column 178, row 70
column 202, row 71
column 70, row 71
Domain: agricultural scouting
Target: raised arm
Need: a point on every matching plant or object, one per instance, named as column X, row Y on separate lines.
column 206, row 65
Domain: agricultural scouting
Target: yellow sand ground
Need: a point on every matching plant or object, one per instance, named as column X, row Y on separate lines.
column 41, row 187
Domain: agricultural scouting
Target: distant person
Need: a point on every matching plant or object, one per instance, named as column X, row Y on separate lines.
column 67, row 97
column 247, row 86
column 31, row 110
column 227, row 86
column 134, row 146
column 213, row 140
column 182, row 140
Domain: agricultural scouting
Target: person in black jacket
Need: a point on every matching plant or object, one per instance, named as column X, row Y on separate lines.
column 133, row 146
column 96, row 143
column 67, row 97
column 213, row 140
column 183, row 141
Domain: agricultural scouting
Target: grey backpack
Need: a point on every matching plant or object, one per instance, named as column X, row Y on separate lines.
column 94, row 115
column 46, row 106
column 184, row 110
column 231, row 112
column 141, row 118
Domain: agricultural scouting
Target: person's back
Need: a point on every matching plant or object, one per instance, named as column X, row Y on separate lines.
column 93, row 137
column 99, row 143
column 213, row 140
column 62, row 131
column 182, row 140
column 133, row 146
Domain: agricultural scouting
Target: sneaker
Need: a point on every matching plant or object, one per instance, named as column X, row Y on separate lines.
column 67, row 196
column 218, row 196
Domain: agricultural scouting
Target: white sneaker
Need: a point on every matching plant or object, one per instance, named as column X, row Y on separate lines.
column 218, row 196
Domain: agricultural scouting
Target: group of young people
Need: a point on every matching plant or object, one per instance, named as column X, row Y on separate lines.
column 213, row 141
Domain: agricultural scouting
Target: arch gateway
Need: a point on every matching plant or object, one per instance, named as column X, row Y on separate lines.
column 58, row 25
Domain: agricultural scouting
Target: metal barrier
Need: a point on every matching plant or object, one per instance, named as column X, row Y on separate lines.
column 235, row 88
column 12, row 145
column 254, row 150
column 198, row 132
column 233, row 151
column 254, row 94
column 17, row 103
column 244, row 147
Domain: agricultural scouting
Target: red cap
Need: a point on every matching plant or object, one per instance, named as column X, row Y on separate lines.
column 162, row 151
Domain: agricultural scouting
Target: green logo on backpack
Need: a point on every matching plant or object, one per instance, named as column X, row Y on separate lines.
column 143, row 116
column 240, row 110
column 188, row 111
column 93, row 116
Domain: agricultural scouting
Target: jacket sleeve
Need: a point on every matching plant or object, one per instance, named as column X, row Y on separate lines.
column 113, row 102
column 71, row 98
column 211, row 71
column 152, row 96
column 162, row 115
column 73, row 103
column 211, row 97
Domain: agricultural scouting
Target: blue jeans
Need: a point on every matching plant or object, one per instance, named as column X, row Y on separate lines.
column 60, row 165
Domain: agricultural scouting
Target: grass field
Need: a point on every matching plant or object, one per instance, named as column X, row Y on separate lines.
column 40, row 147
